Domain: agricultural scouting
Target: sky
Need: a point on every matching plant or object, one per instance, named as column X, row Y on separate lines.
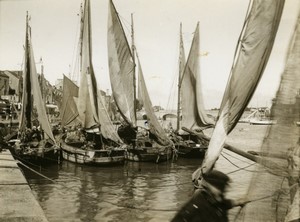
column 55, row 27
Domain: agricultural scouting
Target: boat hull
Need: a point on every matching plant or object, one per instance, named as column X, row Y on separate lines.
column 191, row 152
column 92, row 157
column 148, row 154
column 39, row 156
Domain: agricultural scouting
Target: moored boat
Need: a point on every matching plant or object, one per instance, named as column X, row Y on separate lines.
column 150, row 144
column 35, row 142
column 89, row 136
column 190, row 103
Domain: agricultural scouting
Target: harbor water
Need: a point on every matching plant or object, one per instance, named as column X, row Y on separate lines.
column 137, row 191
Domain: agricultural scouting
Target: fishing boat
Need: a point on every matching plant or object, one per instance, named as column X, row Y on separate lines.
column 89, row 137
column 276, row 189
column 146, row 144
column 35, row 142
column 190, row 106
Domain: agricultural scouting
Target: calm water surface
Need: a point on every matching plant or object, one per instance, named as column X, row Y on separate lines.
column 135, row 191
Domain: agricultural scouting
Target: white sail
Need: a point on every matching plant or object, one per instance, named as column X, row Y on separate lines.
column 154, row 126
column 193, row 112
column 107, row 128
column 121, row 67
column 68, row 110
column 254, row 49
column 87, row 96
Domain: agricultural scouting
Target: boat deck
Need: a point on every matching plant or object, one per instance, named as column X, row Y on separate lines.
column 17, row 202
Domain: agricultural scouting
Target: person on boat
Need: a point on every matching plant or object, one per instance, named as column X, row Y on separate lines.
column 36, row 134
column 209, row 202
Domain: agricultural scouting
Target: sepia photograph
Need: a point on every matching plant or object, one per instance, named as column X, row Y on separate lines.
column 150, row 111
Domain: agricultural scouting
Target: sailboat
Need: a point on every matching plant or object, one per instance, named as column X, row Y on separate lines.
column 252, row 54
column 35, row 142
column 89, row 135
column 146, row 145
column 190, row 102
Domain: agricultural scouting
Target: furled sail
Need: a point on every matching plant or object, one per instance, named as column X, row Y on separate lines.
column 253, row 49
column 282, row 140
column 121, row 67
column 154, row 125
column 193, row 113
column 32, row 96
column 87, row 96
column 68, row 111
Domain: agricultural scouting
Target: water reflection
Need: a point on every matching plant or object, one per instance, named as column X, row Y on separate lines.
column 133, row 192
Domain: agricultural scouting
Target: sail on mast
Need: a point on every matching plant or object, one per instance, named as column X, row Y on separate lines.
column 254, row 48
column 282, row 140
column 154, row 125
column 68, row 111
column 121, row 67
column 193, row 113
column 32, row 92
column 87, row 96
column 107, row 128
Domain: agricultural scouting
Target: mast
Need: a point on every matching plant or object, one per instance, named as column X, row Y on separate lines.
column 42, row 78
column 181, row 51
column 134, row 65
column 27, row 104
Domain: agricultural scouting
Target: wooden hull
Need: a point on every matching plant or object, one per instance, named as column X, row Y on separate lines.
column 191, row 152
column 92, row 157
column 148, row 154
column 39, row 156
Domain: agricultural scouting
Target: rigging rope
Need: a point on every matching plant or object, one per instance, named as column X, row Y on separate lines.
column 255, row 171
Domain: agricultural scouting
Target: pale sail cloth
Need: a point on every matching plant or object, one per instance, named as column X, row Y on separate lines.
column 193, row 113
column 87, row 95
column 107, row 128
column 154, row 126
column 121, row 67
column 32, row 90
column 68, row 111
column 254, row 49
column 282, row 139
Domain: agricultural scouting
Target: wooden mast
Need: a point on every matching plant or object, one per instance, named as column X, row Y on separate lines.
column 134, row 65
column 179, row 79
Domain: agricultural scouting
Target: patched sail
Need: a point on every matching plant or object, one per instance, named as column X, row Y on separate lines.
column 281, row 140
column 87, row 96
column 32, row 96
column 193, row 113
column 121, row 67
column 154, row 126
column 68, row 111
column 253, row 52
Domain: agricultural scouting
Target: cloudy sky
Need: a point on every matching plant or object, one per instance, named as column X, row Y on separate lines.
column 55, row 26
